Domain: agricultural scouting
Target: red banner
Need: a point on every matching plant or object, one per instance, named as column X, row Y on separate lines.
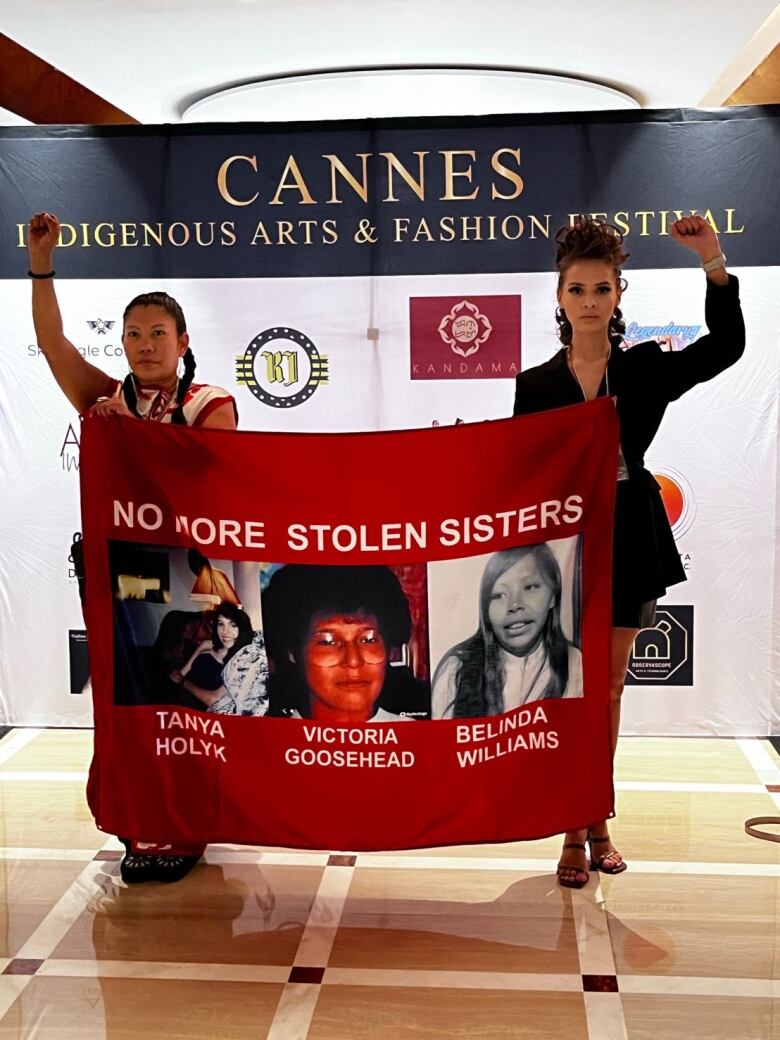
column 376, row 641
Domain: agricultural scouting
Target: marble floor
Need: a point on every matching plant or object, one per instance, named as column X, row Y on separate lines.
column 476, row 942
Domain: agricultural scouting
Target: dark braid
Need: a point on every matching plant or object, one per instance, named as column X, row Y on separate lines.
column 172, row 308
column 184, row 385
column 129, row 394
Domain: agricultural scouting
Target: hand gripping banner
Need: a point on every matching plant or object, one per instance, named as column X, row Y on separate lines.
column 375, row 641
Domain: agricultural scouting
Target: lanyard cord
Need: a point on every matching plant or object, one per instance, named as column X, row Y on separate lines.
column 573, row 371
column 623, row 472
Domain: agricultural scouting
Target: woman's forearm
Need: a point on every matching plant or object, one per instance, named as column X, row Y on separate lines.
column 81, row 382
column 719, row 276
column 47, row 318
column 187, row 666
column 207, row 696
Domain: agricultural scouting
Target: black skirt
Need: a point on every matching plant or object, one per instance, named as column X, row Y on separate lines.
column 645, row 559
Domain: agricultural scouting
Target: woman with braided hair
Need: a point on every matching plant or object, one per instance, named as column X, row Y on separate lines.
column 643, row 381
column 155, row 338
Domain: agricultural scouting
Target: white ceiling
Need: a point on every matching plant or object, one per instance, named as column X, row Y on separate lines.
column 11, row 118
column 154, row 58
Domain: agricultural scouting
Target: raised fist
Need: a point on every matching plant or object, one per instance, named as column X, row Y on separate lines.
column 696, row 234
column 43, row 236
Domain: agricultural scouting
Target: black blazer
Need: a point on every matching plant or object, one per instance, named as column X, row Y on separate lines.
column 644, row 380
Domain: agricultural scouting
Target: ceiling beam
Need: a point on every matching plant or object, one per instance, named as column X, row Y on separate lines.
column 762, row 86
column 37, row 91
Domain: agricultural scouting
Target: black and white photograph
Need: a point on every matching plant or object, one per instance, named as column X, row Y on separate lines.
column 520, row 614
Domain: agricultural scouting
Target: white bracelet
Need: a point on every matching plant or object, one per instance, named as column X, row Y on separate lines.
column 715, row 263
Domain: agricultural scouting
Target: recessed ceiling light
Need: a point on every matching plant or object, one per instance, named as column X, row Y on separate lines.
column 407, row 91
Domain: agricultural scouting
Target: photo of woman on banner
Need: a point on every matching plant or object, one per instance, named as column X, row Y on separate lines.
column 202, row 674
column 519, row 653
column 643, row 381
column 332, row 634
column 209, row 658
column 245, row 679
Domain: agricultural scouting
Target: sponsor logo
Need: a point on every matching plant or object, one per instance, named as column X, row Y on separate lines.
column 70, row 452
column 281, row 367
column 670, row 336
column 101, row 326
column 79, row 659
column 664, row 653
column 465, row 329
column 677, row 498
column 101, row 349
column 458, row 337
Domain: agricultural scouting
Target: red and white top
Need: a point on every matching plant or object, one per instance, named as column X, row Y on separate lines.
column 156, row 405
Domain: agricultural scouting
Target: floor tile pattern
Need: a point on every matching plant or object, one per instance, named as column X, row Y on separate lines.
column 472, row 942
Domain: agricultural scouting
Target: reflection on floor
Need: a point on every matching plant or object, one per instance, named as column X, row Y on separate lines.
column 475, row 942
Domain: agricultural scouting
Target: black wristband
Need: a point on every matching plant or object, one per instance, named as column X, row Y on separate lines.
column 50, row 274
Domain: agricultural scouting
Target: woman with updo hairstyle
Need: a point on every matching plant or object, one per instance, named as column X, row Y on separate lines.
column 155, row 342
column 643, row 381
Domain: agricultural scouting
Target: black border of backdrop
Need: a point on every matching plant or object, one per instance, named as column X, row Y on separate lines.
column 638, row 168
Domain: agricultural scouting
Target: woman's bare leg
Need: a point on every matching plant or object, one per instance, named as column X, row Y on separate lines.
column 622, row 642
column 576, row 860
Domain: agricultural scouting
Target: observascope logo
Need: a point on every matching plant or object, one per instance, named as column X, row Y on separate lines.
column 663, row 654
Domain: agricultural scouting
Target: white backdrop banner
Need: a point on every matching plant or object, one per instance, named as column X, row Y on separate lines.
column 352, row 277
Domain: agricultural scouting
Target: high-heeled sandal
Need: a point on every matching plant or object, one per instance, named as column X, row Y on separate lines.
column 576, row 881
column 136, row 868
column 173, row 868
column 598, row 863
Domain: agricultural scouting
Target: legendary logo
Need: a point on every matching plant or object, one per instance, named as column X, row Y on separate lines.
column 677, row 498
column 669, row 336
column 100, row 326
column 457, row 337
column 282, row 367
column 664, row 653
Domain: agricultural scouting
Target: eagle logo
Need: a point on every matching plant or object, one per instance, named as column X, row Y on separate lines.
column 101, row 326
